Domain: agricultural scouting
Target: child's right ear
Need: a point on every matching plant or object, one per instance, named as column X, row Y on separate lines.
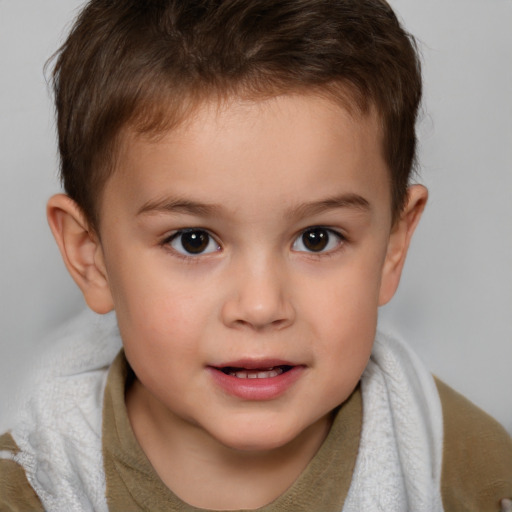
column 81, row 251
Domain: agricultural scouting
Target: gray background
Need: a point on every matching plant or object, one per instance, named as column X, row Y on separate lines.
column 455, row 301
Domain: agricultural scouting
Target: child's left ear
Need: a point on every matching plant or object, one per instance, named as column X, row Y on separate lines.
column 399, row 240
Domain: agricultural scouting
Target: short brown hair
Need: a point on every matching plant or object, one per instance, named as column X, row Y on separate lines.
column 140, row 63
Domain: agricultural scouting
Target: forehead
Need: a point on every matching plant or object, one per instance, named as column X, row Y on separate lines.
column 242, row 153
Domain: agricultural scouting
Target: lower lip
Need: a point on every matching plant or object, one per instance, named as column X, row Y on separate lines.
column 257, row 389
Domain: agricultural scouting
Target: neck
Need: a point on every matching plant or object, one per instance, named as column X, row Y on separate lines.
column 207, row 474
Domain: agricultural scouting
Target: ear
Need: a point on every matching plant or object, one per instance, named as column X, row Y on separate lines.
column 399, row 240
column 81, row 251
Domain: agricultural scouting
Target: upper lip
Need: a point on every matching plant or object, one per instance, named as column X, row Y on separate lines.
column 254, row 364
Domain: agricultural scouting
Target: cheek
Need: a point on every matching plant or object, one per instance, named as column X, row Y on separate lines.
column 151, row 290
column 345, row 299
column 158, row 316
column 342, row 311
column 162, row 329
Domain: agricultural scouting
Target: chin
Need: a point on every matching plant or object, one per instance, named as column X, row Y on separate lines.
column 257, row 437
column 255, row 446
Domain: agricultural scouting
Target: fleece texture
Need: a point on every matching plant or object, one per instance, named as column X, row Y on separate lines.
column 400, row 453
column 59, row 432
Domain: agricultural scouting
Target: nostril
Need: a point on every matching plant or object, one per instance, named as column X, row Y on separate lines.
column 261, row 325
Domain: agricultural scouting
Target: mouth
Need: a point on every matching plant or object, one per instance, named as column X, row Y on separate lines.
column 257, row 380
column 255, row 373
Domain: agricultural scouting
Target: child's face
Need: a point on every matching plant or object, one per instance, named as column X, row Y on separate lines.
column 246, row 257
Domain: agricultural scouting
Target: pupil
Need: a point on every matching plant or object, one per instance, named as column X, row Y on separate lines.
column 195, row 242
column 315, row 239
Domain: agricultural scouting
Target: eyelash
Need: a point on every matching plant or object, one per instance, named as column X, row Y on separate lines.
column 191, row 257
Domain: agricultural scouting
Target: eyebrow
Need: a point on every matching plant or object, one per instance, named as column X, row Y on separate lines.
column 186, row 206
column 350, row 200
column 177, row 205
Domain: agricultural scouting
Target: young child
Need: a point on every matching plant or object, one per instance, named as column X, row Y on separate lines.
column 237, row 195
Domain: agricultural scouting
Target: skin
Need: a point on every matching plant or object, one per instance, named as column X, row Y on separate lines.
column 254, row 175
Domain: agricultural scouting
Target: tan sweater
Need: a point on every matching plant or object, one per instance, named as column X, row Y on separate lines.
column 477, row 461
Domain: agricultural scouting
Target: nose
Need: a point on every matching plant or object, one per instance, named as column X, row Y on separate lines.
column 259, row 297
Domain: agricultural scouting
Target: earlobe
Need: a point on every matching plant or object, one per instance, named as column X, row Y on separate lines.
column 81, row 251
column 399, row 241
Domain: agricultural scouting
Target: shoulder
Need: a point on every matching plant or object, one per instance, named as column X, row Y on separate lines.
column 477, row 456
column 16, row 494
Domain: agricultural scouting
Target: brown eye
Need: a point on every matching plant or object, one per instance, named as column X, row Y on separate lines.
column 193, row 242
column 317, row 239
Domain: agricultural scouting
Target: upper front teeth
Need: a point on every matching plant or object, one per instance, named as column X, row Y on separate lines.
column 257, row 374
